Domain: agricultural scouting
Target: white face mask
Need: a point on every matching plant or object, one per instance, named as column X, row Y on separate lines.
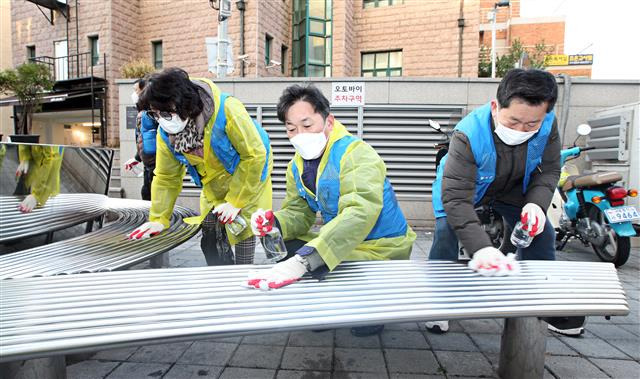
column 173, row 126
column 309, row 145
column 512, row 137
column 134, row 98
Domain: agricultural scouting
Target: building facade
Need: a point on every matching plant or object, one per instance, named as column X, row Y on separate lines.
column 269, row 38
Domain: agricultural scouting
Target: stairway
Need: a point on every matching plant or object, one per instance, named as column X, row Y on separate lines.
column 115, row 190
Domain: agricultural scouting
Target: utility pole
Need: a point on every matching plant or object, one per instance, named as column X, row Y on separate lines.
column 224, row 13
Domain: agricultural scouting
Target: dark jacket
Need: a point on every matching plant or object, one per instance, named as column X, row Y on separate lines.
column 149, row 160
column 458, row 184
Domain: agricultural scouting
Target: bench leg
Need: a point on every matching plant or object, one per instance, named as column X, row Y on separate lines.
column 89, row 227
column 159, row 261
column 49, row 238
column 41, row 368
column 524, row 341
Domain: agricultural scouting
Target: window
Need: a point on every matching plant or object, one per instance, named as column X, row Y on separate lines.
column 94, row 47
column 312, row 44
column 157, row 54
column 283, row 59
column 267, row 49
column 380, row 3
column 385, row 63
column 31, row 52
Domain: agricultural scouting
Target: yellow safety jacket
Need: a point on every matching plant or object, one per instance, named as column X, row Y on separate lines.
column 345, row 237
column 243, row 189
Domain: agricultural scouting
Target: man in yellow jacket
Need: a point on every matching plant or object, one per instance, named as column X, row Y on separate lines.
column 210, row 135
column 344, row 179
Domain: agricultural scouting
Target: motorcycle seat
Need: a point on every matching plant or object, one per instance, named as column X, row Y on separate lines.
column 591, row 180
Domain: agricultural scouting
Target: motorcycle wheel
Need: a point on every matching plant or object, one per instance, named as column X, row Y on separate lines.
column 615, row 249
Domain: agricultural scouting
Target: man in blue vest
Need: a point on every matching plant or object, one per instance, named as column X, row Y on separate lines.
column 506, row 155
column 344, row 179
column 146, row 130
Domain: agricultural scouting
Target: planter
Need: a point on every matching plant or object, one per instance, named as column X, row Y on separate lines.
column 25, row 138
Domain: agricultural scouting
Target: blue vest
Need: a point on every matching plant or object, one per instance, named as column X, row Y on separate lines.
column 477, row 127
column 391, row 221
column 148, row 129
column 221, row 146
column 224, row 150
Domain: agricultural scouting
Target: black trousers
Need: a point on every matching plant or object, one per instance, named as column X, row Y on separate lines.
column 145, row 191
column 217, row 249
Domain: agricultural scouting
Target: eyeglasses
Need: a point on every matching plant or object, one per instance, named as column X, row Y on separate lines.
column 157, row 114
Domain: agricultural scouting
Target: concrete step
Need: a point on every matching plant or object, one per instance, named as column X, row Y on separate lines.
column 116, row 192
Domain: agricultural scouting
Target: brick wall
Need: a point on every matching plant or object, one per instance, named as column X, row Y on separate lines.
column 280, row 31
column 427, row 33
column 551, row 33
column 182, row 26
column 343, row 59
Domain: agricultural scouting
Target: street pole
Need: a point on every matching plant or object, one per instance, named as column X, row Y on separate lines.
column 493, row 42
column 494, row 11
column 223, row 38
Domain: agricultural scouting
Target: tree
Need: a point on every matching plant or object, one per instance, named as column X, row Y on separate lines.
column 517, row 56
column 28, row 82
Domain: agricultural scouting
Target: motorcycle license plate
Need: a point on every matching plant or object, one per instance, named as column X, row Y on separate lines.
column 622, row 214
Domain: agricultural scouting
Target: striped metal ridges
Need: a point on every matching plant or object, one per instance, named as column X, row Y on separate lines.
column 106, row 249
column 59, row 212
column 65, row 314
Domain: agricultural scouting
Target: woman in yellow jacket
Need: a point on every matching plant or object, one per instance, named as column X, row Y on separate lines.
column 40, row 167
column 210, row 135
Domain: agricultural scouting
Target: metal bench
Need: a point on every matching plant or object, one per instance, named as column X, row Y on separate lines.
column 52, row 316
column 106, row 249
column 59, row 212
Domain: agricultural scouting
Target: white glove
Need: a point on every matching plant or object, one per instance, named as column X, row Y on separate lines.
column 262, row 222
column 533, row 215
column 146, row 230
column 28, row 204
column 226, row 212
column 132, row 166
column 23, row 168
column 280, row 275
column 490, row 261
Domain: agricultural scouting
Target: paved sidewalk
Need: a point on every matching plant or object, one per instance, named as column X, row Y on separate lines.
column 470, row 349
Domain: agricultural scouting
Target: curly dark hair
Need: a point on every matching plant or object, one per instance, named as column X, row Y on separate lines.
column 533, row 86
column 171, row 90
column 310, row 94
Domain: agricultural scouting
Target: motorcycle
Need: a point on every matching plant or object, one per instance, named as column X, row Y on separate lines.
column 590, row 208
column 490, row 220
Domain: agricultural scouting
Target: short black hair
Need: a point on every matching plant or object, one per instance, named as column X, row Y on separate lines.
column 310, row 94
column 532, row 86
column 141, row 83
column 171, row 90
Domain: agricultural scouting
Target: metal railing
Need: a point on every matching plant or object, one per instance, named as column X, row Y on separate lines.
column 73, row 66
